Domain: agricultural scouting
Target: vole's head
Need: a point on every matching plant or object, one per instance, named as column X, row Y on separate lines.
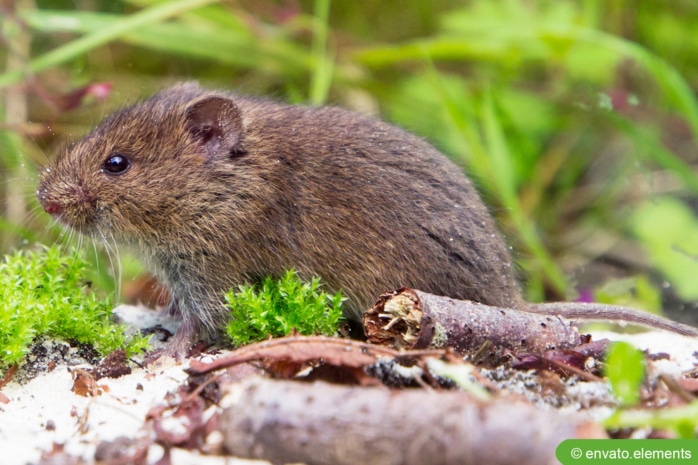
column 137, row 175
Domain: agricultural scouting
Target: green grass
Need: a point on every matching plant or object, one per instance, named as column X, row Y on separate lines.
column 44, row 293
column 276, row 308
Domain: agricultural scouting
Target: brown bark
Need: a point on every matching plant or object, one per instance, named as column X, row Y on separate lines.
column 321, row 423
column 303, row 349
column 412, row 319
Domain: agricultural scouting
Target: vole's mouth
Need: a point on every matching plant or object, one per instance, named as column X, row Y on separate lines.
column 72, row 208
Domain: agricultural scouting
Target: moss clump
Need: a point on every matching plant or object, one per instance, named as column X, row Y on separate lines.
column 275, row 308
column 43, row 293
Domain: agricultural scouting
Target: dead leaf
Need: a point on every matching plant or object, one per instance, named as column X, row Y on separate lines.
column 84, row 383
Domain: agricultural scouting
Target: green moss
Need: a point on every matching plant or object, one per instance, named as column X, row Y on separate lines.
column 276, row 307
column 43, row 293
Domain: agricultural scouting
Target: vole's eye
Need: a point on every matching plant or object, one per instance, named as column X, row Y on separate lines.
column 116, row 163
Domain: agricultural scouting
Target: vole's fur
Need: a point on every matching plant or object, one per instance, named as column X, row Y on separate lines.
column 223, row 189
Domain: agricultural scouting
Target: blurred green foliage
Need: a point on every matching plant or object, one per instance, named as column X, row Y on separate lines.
column 680, row 420
column 668, row 229
column 569, row 114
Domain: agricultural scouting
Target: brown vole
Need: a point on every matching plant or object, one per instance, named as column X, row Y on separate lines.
column 216, row 189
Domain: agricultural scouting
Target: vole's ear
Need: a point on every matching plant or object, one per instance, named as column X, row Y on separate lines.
column 216, row 123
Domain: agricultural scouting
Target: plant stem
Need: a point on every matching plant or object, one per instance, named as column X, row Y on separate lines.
column 19, row 51
column 322, row 72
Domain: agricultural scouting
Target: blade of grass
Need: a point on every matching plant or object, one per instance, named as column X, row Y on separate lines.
column 471, row 150
column 86, row 22
column 504, row 178
column 321, row 76
column 79, row 46
column 230, row 46
column 498, row 152
column 220, row 15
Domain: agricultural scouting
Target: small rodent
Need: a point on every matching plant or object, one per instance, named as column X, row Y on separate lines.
column 215, row 189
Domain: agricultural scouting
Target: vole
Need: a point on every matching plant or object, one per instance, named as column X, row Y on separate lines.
column 216, row 189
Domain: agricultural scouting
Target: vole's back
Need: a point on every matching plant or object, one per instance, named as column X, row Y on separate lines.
column 369, row 207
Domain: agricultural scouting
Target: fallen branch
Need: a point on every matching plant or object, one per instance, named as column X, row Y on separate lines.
column 322, row 423
column 325, row 358
column 412, row 319
column 301, row 349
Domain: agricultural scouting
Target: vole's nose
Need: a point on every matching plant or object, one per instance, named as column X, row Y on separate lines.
column 51, row 207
